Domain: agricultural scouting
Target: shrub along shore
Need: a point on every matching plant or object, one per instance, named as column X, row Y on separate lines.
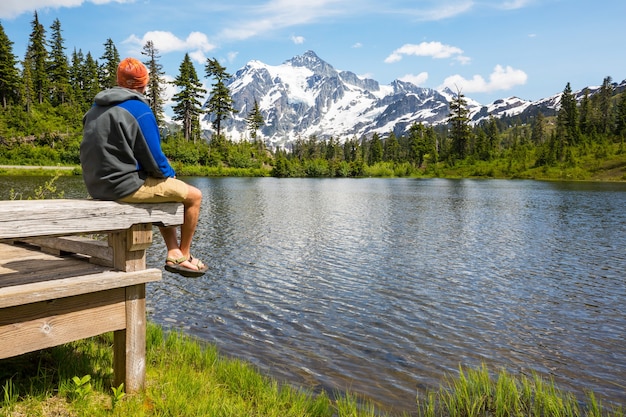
column 186, row 377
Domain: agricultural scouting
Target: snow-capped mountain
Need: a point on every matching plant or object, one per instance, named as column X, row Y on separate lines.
column 306, row 96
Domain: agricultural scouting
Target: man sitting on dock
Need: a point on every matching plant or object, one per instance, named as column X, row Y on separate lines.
column 122, row 160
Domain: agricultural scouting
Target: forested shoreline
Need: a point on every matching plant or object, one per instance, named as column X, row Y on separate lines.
column 44, row 96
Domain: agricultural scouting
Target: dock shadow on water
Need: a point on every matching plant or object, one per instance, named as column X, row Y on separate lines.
column 384, row 286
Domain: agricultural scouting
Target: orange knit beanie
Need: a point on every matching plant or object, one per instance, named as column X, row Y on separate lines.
column 132, row 73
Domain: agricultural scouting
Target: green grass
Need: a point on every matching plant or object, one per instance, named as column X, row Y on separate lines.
column 186, row 377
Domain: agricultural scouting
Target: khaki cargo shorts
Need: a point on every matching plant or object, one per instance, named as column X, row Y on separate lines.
column 159, row 190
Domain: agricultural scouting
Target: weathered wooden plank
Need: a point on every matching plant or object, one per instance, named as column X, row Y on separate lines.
column 50, row 290
column 28, row 276
column 51, row 323
column 32, row 218
column 75, row 244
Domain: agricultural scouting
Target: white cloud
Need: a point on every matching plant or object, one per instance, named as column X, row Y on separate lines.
column 515, row 4
column 440, row 10
column 502, row 78
column 357, row 45
column 196, row 42
column 13, row 8
column 432, row 49
column 298, row 40
column 230, row 57
column 418, row 79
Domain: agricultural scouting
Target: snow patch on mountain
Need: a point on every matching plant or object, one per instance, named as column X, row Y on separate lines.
column 305, row 96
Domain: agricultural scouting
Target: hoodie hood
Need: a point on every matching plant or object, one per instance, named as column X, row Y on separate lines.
column 117, row 95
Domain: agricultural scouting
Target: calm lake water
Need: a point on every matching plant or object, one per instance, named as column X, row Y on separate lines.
column 384, row 286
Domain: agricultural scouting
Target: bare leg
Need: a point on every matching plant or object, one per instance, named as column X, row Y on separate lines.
column 192, row 213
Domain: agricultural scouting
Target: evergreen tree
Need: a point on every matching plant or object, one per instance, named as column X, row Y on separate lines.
column 76, row 77
column 36, row 59
column 567, row 128
column 375, row 150
column 58, row 67
column 538, row 130
column 460, row 132
column 27, row 88
column 155, row 90
column 91, row 85
column 108, row 69
column 493, row 138
column 620, row 118
column 418, row 144
column 604, row 106
column 220, row 105
column 254, row 120
column 9, row 75
column 391, row 151
column 188, row 105
column 586, row 115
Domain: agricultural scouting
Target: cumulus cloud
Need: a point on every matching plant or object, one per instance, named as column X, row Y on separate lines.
column 502, row 78
column 298, row 40
column 436, row 50
column 13, row 8
column 196, row 42
column 418, row 79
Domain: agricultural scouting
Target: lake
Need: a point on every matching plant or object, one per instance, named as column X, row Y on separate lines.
column 384, row 286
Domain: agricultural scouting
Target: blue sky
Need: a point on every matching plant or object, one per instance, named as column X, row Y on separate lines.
column 486, row 48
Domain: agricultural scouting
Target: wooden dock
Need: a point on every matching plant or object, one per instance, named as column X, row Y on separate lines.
column 57, row 285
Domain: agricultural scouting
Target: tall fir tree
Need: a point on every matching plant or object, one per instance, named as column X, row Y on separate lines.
column 567, row 127
column 604, row 106
column 188, row 105
column 58, row 67
column 620, row 119
column 36, row 60
column 91, row 84
column 254, row 120
column 108, row 69
column 220, row 104
column 9, row 74
column 155, row 88
column 391, row 149
column 460, row 132
column 375, row 154
column 76, row 77
column 538, row 135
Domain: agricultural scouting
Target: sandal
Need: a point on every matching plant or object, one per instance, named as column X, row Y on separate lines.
column 175, row 266
column 198, row 263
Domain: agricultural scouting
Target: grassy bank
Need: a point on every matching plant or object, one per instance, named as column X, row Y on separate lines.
column 189, row 378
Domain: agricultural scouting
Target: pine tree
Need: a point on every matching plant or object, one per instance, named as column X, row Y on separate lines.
column 221, row 103
column 254, row 120
column 188, row 99
column 155, row 90
column 91, row 85
column 567, row 128
column 391, row 151
column 58, row 67
column 604, row 106
column 375, row 150
column 9, row 74
column 36, row 58
column 460, row 132
column 108, row 69
column 538, row 130
column 27, row 89
column 620, row 119
column 76, row 78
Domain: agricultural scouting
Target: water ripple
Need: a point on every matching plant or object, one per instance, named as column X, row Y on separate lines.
column 384, row 286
